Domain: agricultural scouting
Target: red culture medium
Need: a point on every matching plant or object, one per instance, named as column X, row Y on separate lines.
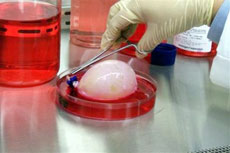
column 29, row 43
column 139, row 103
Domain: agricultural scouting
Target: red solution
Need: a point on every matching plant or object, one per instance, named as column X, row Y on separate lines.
column 29, row 43
column 139, row 103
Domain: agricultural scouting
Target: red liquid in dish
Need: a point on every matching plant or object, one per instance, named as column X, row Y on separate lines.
column 29, row 43
column 139, row 103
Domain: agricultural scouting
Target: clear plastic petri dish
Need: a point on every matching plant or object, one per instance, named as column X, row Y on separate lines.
column 137, row 104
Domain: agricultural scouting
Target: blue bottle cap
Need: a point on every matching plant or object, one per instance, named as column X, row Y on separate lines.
column 164, row 55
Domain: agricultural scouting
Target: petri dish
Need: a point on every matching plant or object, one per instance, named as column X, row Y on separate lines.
column 137, row 104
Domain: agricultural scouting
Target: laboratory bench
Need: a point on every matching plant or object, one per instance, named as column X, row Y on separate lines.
column 190, row 114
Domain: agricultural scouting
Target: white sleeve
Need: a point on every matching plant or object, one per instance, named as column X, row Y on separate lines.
column 220, row 71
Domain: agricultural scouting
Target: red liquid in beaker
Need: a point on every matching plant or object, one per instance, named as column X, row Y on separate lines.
column 29, row 42
column 139, row 103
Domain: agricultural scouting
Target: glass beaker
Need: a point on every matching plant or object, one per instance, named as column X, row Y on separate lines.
column 29, row 41
column 88, row 21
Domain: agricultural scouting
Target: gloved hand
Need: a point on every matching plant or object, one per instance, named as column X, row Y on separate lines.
column 164, row 19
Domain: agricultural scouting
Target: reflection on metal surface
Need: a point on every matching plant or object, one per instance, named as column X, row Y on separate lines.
column 27, row 118
column 142, row 134
column 223, row 149
column 202, row 109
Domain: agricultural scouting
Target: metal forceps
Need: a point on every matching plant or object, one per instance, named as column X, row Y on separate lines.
column 101, row 56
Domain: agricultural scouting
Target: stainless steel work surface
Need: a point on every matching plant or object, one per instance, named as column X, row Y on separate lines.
column 191, row 113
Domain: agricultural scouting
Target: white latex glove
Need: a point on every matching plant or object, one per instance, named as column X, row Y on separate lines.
column 164, row 19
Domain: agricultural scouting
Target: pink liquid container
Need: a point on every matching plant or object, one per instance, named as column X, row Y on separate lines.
column 194, row 42
column 88, row 21
column 29, row 41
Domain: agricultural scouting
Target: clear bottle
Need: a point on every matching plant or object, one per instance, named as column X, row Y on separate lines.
column 29, row 41
column 194, row 42
column 88, row 21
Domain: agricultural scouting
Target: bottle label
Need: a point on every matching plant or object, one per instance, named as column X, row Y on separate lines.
column 194, row 40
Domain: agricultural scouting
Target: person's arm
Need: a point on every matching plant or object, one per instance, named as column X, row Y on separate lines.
column 220, row 12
